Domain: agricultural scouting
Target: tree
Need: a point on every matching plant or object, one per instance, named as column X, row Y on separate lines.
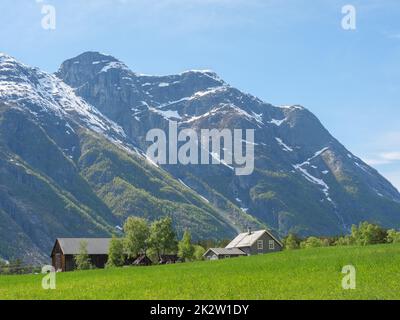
column 16, row 266
column 291, row 242
column 393, row 236
column 185, row 247
column 198, row 252
column 344, row 241
column 136, row 236
column 4, row 267
column 368, row 233
column 162, row 237
column 116, row 257
column 312, row 242
column 82, row 259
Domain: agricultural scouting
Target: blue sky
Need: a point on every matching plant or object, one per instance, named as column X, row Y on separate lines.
column 283, row 51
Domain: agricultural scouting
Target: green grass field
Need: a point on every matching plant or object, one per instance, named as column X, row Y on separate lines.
column 301, row 274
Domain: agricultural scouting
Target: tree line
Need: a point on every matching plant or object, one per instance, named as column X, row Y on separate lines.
column 159, row 238
column 154, row 240
column 16, row 266
column 364, row 234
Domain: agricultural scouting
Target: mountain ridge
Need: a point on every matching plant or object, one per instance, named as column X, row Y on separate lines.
column 174, row 97
column 79, row 137
column 84, row 165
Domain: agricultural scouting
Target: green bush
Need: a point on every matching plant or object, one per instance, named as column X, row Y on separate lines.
column 344, row 241
column 367, row 233
column 82, row 259
column 393, row 236
column 291, row 242
column 185, row 247
column 312, row 242
column 198, row 252
column 116, row 256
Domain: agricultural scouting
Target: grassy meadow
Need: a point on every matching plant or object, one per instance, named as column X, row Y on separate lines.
column 299, row 274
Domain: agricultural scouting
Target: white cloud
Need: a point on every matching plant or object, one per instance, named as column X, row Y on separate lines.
column 383, row 150
column 391, row 156
column 375, row 161
column 383, row 158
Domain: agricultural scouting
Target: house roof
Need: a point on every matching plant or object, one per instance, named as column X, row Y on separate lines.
column 94, row 245
column 226, row 251
column 247, row 239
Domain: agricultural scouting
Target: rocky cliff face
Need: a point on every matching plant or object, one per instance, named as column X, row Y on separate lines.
column 305, row 181
column 68, row 171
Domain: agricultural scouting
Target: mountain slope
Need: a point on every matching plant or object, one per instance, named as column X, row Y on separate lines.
column 68, row 171
column 304, row 181
column 73, row 164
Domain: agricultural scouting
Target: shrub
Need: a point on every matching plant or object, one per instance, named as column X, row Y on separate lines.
column 198, row 252
column 291, row 242
column 344, row 241
column 368, row 233
column 393, row 236
column 185, row 247
column 116, row 257
column 312, row 242
column 82, row 259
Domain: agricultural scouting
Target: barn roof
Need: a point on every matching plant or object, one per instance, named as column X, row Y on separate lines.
column 94, row 245
column 247, row 239
column 226, row 251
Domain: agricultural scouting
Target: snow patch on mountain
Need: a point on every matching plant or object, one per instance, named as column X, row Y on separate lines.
column 114, row 65
column 40, row 92
column 208, row 73
column 285, row 147
column 311, row 178
column 204, row 115
column 166, row 114
column 291, row 107
column 277, row 122
column 300, row 167
column 210, row 91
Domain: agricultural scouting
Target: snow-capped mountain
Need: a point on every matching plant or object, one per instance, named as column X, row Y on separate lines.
column 66, row 170
column 41, row 94
column 305, row 180
column 72, row 159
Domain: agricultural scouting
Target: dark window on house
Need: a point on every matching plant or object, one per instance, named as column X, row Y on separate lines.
column 260, row 245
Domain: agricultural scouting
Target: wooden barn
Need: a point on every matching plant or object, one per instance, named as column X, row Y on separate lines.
column 64, row 250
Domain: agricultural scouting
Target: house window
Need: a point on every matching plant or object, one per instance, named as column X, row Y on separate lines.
column 271, row 244
column 260, row 245
column 227, row 256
